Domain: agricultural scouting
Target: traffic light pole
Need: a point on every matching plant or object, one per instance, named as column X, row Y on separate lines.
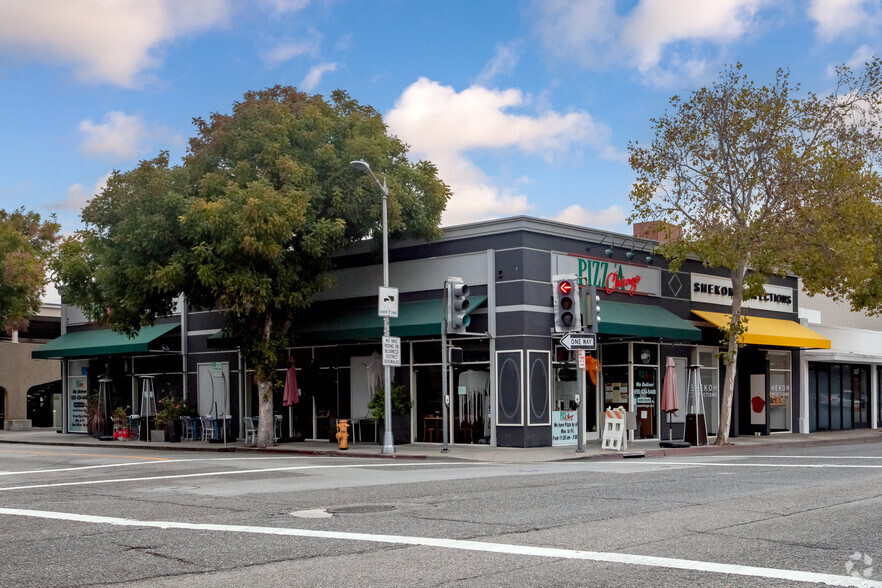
column 444, row 372
column 580, row 385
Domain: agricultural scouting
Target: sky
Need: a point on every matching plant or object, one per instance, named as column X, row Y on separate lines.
column 526, row 107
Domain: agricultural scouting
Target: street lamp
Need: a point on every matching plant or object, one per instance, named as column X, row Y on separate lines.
column 388, row 445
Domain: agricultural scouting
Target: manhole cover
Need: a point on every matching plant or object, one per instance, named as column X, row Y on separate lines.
column 361, row 509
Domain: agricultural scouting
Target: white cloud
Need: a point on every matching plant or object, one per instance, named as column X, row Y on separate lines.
column 287, row 51
column 858, row 59
column 576, row 215
column 314, row 76
column 835, row 17
column 861, row 56
column 584, row 30
column 595, row 35
column 443, row 125
column 283, row 6
column 113, row 42
column 504, row 61
column 78, row 195
column 654, row 24
column 119, row 137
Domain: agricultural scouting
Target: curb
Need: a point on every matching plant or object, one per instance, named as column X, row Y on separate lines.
column 736, row 448
column 328, row 453
column 592, row 456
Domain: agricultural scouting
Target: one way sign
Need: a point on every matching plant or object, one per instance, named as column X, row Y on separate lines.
column 586, row 341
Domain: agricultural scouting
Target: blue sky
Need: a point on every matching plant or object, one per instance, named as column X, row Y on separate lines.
column 526, row 107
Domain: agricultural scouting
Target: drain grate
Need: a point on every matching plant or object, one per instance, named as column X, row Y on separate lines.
column 360, row 509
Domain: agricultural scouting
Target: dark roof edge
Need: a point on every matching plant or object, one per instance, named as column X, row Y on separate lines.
column 506, row 225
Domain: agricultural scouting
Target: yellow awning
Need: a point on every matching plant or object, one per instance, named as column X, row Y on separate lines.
column 767, row 331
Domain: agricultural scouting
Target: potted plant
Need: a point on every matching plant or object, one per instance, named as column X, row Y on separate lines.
column 168, row 417
column 121, row 423
column 401, row 405
column 95, row 417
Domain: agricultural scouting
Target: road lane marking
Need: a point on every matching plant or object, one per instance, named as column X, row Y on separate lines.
column 160, row 461
column 65, row 454
column 724, row 464
column 817, row 456
column 482, row 546
column 233, row 473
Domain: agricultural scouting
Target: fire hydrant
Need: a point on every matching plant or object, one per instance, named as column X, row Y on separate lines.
column 343, row 433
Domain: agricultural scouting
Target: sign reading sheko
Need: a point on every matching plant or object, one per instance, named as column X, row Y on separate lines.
column 392, row 351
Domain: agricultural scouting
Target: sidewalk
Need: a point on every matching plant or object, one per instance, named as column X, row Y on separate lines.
column 465, row 452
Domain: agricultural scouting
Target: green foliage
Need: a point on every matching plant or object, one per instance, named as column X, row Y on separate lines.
column 170, row 409
column 248, row 223
column 765, row 181
column 120, row 416
column 26, row 244
column 400, row 397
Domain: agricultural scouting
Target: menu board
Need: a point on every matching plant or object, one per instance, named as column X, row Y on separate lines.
column 78, row 383
column 563, row 427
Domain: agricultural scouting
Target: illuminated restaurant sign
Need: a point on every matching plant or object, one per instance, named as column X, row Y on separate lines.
column 608, row 275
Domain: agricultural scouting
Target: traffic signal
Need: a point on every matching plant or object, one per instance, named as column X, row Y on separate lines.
column 457, row 306
column 592, row 310
column 567, row 315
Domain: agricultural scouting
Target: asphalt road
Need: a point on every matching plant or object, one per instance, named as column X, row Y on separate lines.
column 83, row 516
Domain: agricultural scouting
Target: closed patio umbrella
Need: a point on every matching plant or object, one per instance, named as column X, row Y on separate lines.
column 292, row 394
column 670, row 403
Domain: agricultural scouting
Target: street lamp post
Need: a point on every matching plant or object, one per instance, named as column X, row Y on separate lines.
column 388, row 444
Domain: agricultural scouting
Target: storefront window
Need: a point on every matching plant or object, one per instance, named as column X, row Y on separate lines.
column 709, row 376
column 779, row 390
column 839, row 396
column 615, row 387
column 630, row 380
column 646, row 400
column 615, row 353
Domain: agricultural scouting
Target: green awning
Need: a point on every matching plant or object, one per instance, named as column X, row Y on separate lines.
column 102, row 342
column 641, row 320
column 415, row 319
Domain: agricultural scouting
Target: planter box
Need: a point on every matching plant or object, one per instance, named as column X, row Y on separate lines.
column 174, row 431
column 400, row 429
column 157, row 435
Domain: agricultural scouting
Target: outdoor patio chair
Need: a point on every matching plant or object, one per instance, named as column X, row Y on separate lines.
column 188, row 429
column 207, row 428
column 277, row 427
column 250, row 431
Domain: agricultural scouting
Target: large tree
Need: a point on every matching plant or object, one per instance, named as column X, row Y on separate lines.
column 247, row 223
column 26, row 244
column 767, row 180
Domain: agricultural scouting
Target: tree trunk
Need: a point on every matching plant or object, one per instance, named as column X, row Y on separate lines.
column 731, row 356
column 265, row 435
column 264, row 378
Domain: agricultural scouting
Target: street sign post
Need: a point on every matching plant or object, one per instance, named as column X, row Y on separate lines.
column 392, row 351
column 586, row 341
column 388, row 302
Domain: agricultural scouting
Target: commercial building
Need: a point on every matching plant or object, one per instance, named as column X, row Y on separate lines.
column 516, row 384
column 30, row 389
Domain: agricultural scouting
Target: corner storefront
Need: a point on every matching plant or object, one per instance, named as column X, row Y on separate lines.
column 515, row 385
